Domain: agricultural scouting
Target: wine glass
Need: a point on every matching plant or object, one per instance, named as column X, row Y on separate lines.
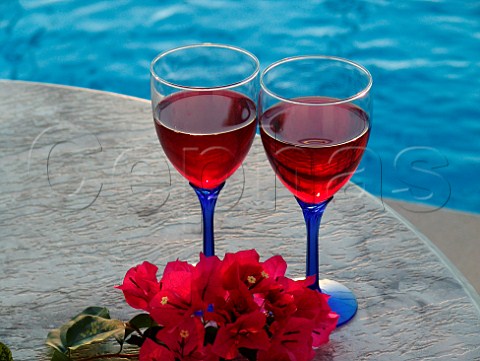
column 315, row 118
column 205, row 117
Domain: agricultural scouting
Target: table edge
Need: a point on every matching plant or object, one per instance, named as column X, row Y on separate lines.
column 469, row 289
column 73, row 87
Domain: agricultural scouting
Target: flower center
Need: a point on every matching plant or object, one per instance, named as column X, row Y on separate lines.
column 164, row 300
column 251, row 279
column 265, row 274
column 184, row 333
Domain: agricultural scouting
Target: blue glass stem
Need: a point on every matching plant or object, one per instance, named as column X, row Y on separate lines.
column 313, row 216
column 208, row 199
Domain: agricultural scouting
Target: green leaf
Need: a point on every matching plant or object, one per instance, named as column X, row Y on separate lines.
column 89, row 329
column 210, row 334
column 137, row 323
column 135, row 340
column 142, row 320
column 151, row 332
column 5, row 353
column 54, row 340
column 94, row 311
column 91, row 325
column 59, row 356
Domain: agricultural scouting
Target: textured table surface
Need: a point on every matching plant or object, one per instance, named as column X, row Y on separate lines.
column 86, row 192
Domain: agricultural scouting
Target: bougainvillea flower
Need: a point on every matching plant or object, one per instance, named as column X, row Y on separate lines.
column 168, row 308
column 270, row 270
column 152, row 351
column 177, row 277
column 177, row 266
column 185, row 340
column 174, row 300
column 324, row 325
column 290, row 285
column 275, row 267
column 189, row 291
column 314, row 305
column 220, row 309
column 280, row 304
column 247, row 331
column 243, row 270
column 239, row 302
column 291, row 341
column 207, row 283
column 309, row 304
column 140, row 285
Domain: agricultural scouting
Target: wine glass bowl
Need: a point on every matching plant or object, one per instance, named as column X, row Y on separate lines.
column 315, row 121
column 206, row 135
column 203, row 103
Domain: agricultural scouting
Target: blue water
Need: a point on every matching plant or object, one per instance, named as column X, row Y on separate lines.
column 424, row 57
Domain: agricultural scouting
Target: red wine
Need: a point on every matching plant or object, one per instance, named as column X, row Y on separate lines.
column 206, row 134
column 314, row 149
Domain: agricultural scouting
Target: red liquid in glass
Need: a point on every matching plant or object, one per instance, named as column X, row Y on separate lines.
column 313, row 149
column 206, row 134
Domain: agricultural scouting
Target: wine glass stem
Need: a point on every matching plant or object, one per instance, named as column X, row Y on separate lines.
column 208, row 199
column 313, row 216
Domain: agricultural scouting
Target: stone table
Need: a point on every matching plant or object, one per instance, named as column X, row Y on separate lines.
column 87, row 193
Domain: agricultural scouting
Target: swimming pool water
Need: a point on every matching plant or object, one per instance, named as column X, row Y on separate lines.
column 424, row 57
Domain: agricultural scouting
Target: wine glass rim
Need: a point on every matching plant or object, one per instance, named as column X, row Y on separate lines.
column 349, row 99
column 205, row 45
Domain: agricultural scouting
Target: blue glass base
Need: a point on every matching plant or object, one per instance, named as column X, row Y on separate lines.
column 342, row 301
